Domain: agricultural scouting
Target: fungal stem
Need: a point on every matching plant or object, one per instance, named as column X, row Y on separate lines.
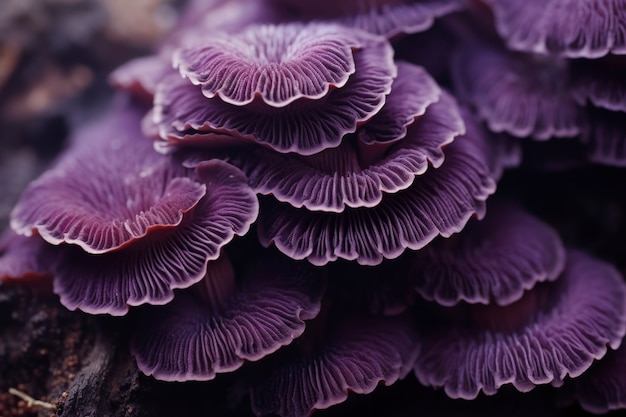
column 218, row 284
column 370, row 152
column 30, row 401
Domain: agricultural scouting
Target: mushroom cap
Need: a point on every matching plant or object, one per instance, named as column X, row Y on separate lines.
column 148, row 270
column 557, row 329
column 412, row 92
column 356, row 355
column 340, row 178
column 491, row 261
column 277, row 64
column 570, row 28
column 522, row 95
column 306, row 119
column 189, row 340
column 105, row 194
column 382, row 17
column 439, row 202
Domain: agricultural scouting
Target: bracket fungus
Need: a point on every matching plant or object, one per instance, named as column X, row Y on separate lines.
column 282, row 192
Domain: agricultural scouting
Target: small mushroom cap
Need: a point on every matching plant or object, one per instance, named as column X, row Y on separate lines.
column 191, row 340
column 357, row 355
column 148, row 270
column 492, row 260
column 557, row 329
column 305, row 126
column 342, row 177
column 571, row 28
column 518, row 94
column 440, row 202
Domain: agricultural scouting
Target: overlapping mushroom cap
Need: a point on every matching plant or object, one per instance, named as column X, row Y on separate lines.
column 438, row 202
column 492, row 261
column 228, row 318
column 382, row 17
column 131, row 224
column 293, row 87
column 355, row 353
column 555, row 330
column 572, row 28
column 386, row 155
column 523, row 95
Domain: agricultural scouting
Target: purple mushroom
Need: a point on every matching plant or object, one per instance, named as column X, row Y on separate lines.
column 131, row 224
column 301, row 88
column 382, row 17
column 348, row 353
column 494, row 260
column 556, row 329
column 228, row 318
column 439, row 202
column 523, row 95
column 105, row 194
column 571, row 28
column 357, row 173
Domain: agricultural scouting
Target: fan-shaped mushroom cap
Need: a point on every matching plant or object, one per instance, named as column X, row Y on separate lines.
column 277, row 64
column 344, row 177
column 557, row 329
column 382, row 17
column 196, row 337
column 356, row 355
column 439, row 202
column 522, row 95
column 107, row 192
column 334, row 79
column 147, row 270
column 572, row 28
column 492, row 260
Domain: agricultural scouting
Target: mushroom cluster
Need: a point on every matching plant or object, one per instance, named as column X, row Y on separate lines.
column 284, row 192
column 550, row 70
